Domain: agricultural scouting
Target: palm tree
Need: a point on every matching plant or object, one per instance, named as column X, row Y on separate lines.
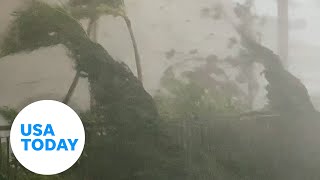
column 111, row 80
column 93, row 9
column 122, row 103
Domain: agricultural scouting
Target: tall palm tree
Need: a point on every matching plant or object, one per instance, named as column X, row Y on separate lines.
column 123, row 105
column 93, row 9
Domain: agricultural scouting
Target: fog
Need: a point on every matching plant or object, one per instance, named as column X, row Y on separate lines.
column 161, row 26
column 199, row 42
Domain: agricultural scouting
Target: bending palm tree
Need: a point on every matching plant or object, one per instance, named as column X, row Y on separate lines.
column 110, row 80
column 94, row 9
column 122, row 108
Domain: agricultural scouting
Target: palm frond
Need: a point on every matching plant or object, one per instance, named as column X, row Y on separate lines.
column 40, row 25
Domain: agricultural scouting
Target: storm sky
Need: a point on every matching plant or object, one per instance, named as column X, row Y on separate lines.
column 307, row 10
column 164, row 25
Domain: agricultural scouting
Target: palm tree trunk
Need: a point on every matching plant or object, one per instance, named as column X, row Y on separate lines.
column 135, row 48
column 283, row 30
column 72, row 88
column 92, row 33
column 91, row 27
column 95, row 31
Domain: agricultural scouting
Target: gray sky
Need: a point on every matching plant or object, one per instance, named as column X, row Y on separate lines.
column 162, row 25
column 299, row 9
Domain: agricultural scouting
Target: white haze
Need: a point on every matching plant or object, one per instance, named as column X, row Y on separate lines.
column 160, row 26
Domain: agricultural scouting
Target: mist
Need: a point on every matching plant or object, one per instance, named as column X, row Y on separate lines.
column 229, row 87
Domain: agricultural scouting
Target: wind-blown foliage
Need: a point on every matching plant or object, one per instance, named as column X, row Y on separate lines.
column 132, row 149
column 188, row 107
column 124, row 137
column 93, row 9
column 286, row 93
column 253, row 145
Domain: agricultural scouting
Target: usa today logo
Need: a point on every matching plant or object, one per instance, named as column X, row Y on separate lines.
column 47, row 137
